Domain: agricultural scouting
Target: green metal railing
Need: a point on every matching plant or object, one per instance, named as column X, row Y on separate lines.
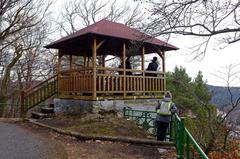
column 143, row 118
column 186, row 145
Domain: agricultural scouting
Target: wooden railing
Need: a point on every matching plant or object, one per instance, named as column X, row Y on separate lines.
column 110, row 82
column 38, row 93
column 137, row 82
column 114, row 83
column 75, row 81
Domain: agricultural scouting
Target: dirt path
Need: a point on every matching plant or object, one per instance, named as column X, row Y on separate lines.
column 76, row 149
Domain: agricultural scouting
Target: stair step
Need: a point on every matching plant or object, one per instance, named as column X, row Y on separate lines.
column 37, row 115
column 47, row 110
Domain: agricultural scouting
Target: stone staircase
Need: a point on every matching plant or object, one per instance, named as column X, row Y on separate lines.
column 44, row 112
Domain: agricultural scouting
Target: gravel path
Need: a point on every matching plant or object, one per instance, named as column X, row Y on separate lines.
column 17, row 143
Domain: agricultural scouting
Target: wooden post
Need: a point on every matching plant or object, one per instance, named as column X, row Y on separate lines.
column 163, row 69
column 143, row 71
column 70, row 61
column 94, row 57
column 88, row 62
column 84, row 63
column 163, row 61
column 59, row 69
column 124, row 69
column 84, row 60
column 103, row 63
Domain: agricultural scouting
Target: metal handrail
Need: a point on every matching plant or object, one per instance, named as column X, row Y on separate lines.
column 196, row 145
column 183, row 139
column 178, row 132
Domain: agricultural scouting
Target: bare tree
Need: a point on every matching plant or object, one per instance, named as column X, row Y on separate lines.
column 230, row 76
column 204, row 19
column 21, row 23
column 36, row 63
column 77, row 14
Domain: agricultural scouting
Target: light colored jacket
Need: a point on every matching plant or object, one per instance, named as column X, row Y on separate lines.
column 165, row 118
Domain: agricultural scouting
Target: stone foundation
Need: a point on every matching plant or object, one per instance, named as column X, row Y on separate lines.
column 73, row 106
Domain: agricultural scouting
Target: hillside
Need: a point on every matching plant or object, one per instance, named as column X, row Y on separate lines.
column 221, row 96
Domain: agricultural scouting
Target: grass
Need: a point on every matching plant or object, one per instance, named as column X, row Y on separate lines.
column 108, row 124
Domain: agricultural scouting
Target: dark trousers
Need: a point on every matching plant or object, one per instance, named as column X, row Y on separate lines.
column 161, row 130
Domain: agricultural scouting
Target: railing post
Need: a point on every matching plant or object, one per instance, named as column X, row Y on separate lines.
column 181, row 136
column 171, row 128
column 124, row 112
column 187, row 147
column 145, row 123
column 22, row 104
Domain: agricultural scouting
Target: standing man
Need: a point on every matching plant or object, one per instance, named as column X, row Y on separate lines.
column 164, row 110
column 153, row 66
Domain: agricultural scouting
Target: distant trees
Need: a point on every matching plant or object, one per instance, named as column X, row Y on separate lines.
column 23, row 27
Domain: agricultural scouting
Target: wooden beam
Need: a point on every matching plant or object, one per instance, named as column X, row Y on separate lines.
column 142, row 56
column 59, row 69
column 143, row 68
column 84, row 60
column 94, row 57
column 100, row 44
column 103, row 63
column 163, row 69
column 103, row 60
column 59, row 63
column 124, row 69
column 71, row 62
column 159, row 52
column 163, row 61
column 88, row 62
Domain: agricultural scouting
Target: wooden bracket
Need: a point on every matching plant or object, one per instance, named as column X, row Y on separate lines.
column 100, row 44
column 159, row 52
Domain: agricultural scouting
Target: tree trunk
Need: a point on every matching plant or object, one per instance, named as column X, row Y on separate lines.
column 225, row 139
column 210, row 145
column 5, row 83
column 3, row 101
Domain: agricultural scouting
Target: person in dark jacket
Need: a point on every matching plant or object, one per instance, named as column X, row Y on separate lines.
column 127, row 66
column 164, row 110
column 153, row 66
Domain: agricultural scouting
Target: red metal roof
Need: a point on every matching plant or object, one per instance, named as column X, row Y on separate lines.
column 113, row 29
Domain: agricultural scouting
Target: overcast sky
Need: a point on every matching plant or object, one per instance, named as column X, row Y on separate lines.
column 216, row 60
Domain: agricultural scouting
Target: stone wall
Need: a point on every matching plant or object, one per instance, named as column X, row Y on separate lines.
column 71, row 106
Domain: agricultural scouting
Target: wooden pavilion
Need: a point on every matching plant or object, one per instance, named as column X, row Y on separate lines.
column 92, row 79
